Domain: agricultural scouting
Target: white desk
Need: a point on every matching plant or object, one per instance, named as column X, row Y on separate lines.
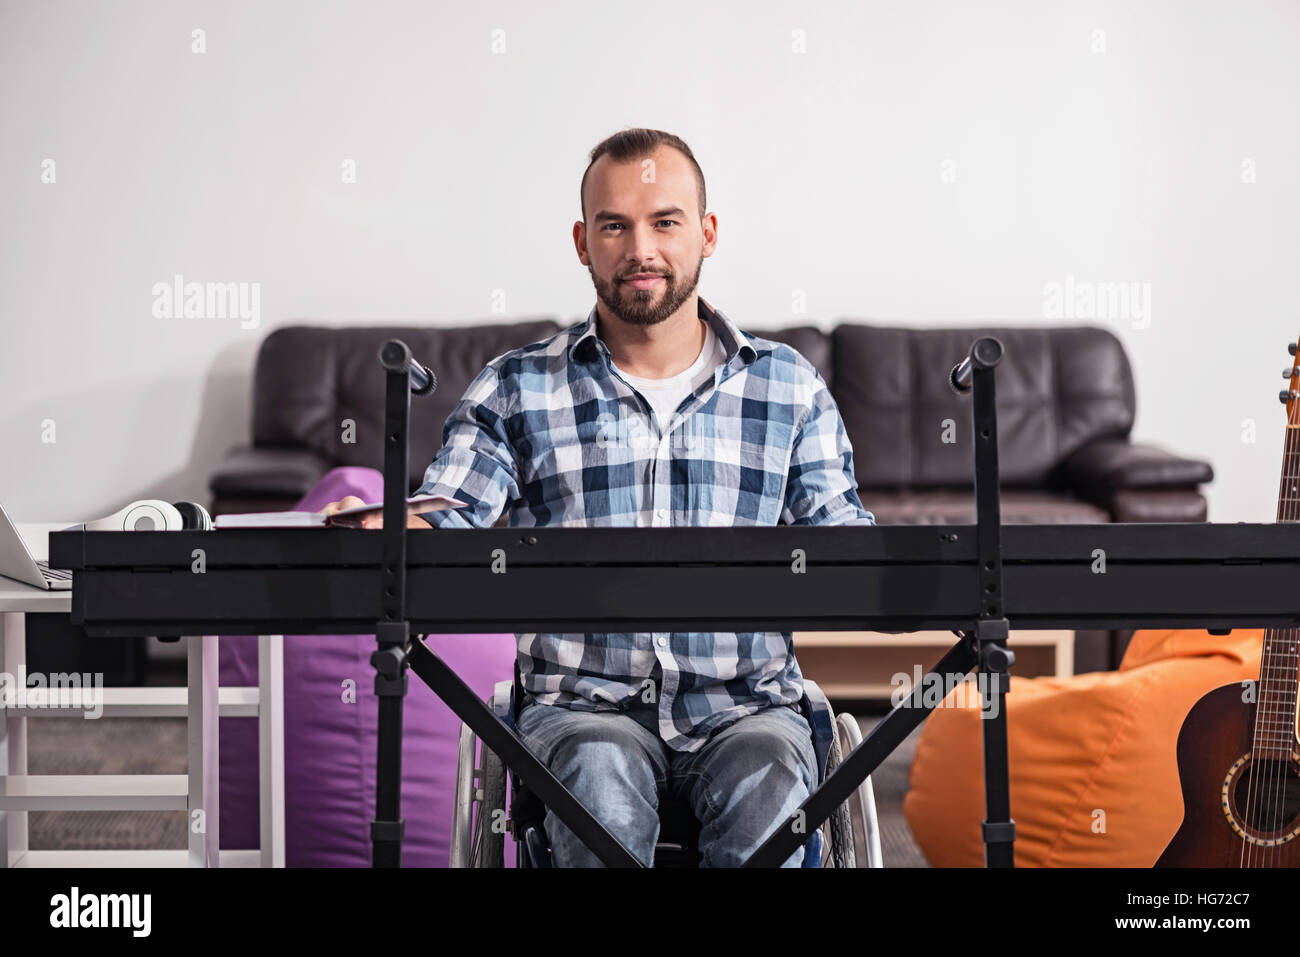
column 201, row 702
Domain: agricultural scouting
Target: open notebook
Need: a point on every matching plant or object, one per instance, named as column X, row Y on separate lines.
column 344, row 518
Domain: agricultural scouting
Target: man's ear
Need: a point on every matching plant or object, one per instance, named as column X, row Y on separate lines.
column 709, row 227
column 580, row 242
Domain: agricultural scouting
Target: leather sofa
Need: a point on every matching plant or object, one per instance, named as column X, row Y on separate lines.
column 1065, row 399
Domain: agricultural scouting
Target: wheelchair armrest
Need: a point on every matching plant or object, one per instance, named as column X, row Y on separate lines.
column 503, row 702
column 818, row 712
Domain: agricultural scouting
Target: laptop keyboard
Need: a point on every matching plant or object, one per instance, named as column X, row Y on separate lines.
column 62, row 574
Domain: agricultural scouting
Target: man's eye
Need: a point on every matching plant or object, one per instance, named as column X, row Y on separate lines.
column 609, row 225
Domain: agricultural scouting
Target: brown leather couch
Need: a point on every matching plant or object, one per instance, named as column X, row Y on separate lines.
column 1065, row 399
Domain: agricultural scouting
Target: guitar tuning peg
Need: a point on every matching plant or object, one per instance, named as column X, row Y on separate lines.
column 1288, row 373
column 1290, row 347
column 1285, row 396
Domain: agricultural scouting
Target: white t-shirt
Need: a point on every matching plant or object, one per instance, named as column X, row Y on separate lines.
column 665, row 395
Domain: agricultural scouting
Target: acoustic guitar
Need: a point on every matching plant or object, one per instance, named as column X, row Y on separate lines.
column 1238, row 755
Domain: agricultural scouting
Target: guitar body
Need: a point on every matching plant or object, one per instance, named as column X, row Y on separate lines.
column 1236, row 812
column 1238, row 760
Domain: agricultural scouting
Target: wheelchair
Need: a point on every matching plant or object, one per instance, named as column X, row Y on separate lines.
column 850, row 837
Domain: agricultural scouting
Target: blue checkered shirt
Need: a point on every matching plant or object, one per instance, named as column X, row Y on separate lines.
column 552, row 433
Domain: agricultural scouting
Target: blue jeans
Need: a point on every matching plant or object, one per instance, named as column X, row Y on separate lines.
column 746, row 779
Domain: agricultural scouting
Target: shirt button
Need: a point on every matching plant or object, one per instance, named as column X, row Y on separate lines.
column 662, row 641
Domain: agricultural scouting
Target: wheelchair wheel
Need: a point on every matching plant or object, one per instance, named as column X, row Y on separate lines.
column 861, row 805
column 463, row 799
column 478, row 821
column 839, row 826
column 488, row 846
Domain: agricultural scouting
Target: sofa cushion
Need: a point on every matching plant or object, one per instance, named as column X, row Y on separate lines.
column 322, row 388
column 1057, row 389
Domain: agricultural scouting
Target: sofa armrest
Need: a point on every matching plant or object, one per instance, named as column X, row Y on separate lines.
column 1103, row 467
column 1158, row 505
column 261, row 472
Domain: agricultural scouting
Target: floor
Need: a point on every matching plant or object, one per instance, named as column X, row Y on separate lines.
column 890, row 783
column 158, row 746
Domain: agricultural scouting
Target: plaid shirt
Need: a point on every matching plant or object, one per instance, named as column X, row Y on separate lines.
column 553, row 433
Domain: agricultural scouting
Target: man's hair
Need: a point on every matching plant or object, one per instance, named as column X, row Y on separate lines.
column 634, row 144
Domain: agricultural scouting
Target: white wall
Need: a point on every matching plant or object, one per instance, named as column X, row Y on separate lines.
column 826, row 166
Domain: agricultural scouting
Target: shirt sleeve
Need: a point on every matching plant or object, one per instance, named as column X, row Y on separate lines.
column 476, row 463
column 821, row 488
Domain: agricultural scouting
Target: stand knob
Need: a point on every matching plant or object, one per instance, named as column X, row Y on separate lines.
column 998, row 659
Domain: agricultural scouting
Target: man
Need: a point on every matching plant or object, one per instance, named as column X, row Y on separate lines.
column 656, row 411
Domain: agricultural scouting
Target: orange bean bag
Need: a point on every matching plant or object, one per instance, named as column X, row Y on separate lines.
column 1093, row 768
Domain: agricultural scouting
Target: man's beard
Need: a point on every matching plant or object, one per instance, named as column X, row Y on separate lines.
column 645, row 307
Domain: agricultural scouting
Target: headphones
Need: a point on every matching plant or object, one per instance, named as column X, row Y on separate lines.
column 154, row 515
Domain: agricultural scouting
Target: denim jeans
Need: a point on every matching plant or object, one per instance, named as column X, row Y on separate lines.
column 747, row 778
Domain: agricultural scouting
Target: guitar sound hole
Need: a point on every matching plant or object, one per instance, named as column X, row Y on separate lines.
column 1267, row 796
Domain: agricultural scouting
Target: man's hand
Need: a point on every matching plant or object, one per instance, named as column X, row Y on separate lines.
column 371, row 521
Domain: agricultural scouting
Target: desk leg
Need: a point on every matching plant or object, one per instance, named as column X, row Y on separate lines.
column 13, row 731
column 204, row 754
column 270, row 747
column 1065, row 655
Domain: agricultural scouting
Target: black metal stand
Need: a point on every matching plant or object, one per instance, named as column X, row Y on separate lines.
column 984, row 646
column 995, row 659
column 393, row 630
column 396, row 653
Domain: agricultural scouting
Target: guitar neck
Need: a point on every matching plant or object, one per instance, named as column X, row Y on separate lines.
column 1275, row 710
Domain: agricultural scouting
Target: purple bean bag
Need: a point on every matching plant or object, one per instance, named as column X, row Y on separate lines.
column 330, row 734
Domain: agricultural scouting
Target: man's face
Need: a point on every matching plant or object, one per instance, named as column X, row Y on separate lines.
column 645, row 243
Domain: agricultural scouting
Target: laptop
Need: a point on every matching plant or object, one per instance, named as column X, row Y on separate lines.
column 16, row 561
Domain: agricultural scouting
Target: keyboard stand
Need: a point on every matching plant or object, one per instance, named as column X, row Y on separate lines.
column 984, row 644
column 969, row 579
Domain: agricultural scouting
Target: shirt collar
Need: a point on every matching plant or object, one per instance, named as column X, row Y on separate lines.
column 732, row 339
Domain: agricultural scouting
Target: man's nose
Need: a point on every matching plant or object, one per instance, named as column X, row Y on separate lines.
column 643, row 247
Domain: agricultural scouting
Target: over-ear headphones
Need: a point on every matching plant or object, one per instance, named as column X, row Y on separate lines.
column 154, row 515
column 195, row 516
